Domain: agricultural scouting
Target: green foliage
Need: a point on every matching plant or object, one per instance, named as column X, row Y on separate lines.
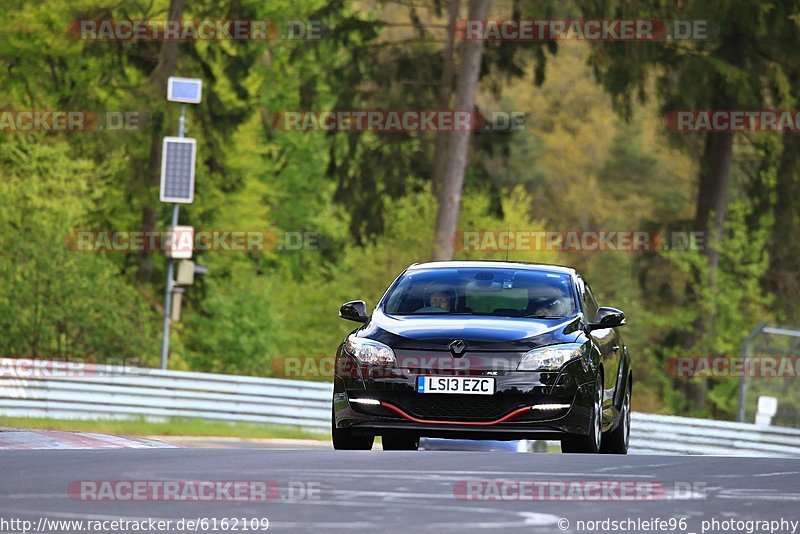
column 728, row 304
column 233, row 331
column 367, row 196
column 55, row 302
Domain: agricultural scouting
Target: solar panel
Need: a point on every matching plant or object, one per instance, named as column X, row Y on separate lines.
column 178, row 156
column 186, row 90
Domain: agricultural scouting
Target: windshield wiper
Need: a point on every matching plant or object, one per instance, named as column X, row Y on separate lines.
column 443, row 312
column 542, row 316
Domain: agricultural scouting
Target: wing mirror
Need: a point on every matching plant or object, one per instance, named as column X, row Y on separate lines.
column 607, row 318
column 355, row 310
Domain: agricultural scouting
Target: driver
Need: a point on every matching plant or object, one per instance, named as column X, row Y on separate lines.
column 440, row 299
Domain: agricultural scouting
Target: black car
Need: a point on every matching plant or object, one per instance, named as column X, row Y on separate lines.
column 484, row 350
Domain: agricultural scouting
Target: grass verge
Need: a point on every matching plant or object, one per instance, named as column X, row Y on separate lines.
column 173, row 427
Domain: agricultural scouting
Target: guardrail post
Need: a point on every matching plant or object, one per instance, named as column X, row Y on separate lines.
column 743, row 379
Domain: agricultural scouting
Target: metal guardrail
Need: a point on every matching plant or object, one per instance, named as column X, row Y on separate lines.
column 110, row 392
column 669, row 434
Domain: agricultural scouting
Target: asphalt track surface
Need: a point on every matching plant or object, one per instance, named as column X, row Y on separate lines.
column 404, row 491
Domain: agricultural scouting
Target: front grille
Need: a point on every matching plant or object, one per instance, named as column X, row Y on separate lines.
column 460, row 407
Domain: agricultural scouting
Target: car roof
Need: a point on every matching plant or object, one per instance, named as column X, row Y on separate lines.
column 491, row 264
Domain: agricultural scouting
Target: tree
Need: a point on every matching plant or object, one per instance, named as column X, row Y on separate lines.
column 56, row 301
column 444, row 96
column 452, row 185
column 725, row 71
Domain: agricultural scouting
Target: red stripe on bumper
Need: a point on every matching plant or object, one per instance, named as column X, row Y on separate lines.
column 503, row 419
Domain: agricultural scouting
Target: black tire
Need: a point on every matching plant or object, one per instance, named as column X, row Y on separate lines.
column 400, row 442
column 592, row 443
column 617, row 440
column 344, row 440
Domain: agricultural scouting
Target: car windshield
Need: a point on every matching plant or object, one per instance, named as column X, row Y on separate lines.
column 482, row 291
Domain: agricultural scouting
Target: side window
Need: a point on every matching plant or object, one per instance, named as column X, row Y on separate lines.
column 589, row 303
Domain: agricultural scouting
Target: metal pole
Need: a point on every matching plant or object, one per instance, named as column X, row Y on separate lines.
column 781, row 331
column 182, row 120
column 742, row 379
column 171, row 265
column 168, row 298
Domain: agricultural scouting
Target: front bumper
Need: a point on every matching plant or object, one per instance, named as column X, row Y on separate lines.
column 526, row 405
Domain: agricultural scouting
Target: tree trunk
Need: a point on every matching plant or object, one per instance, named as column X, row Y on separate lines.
column 458, row 143
column 784, row 248
column 712, row 196
column 168, row 55
column 712, row 201
column 443, row 100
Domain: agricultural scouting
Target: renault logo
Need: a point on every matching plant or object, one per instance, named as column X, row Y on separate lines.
column 458, row 348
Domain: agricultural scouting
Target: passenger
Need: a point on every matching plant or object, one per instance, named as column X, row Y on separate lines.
column 546, row 300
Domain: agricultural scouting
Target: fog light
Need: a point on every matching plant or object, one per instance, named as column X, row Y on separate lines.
column 366, row 401
column 550, row 407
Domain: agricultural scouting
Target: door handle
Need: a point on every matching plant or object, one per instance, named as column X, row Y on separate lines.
column 615, row 348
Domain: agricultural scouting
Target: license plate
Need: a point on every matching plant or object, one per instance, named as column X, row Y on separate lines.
column 455, row 384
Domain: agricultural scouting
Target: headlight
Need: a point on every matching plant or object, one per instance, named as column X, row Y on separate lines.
column 549, row 358
column 369, row 351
